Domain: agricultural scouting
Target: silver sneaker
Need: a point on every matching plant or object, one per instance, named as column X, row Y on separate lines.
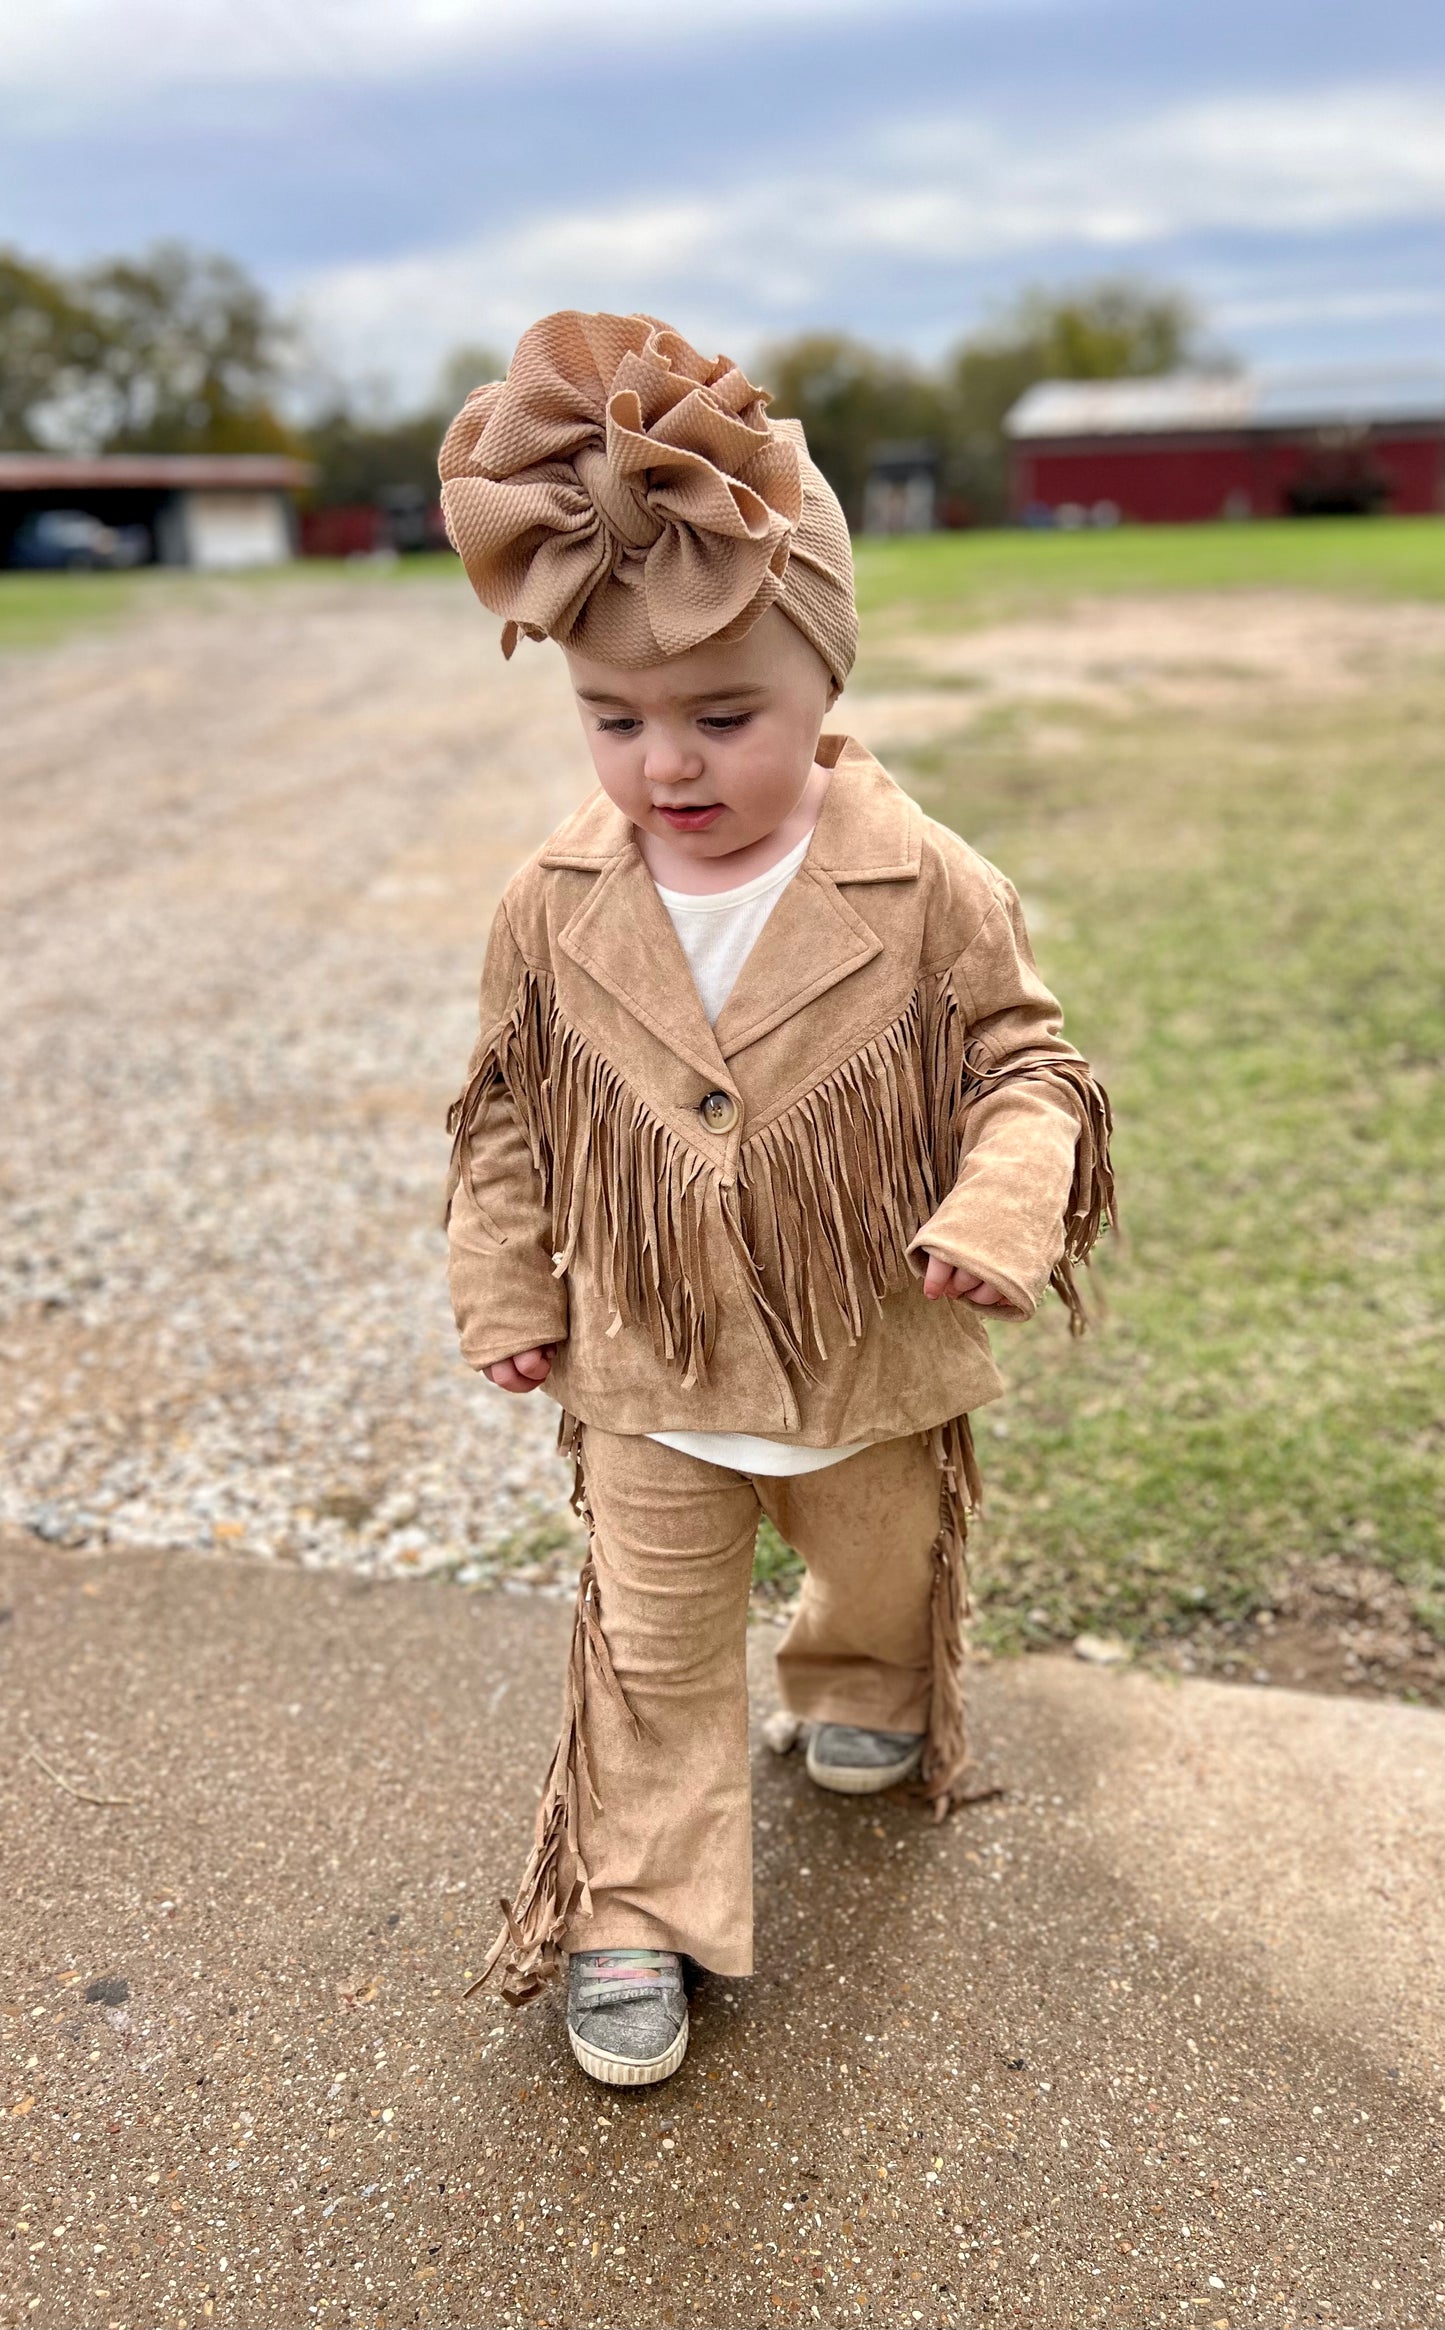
column 626, row 2015
column 861, row 1763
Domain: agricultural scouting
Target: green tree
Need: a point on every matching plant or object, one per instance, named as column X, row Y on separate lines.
column 360, row 460
column 1103, row 331
column 849, row 397
column 192, row 358
column 361, row 456
column 465, row 369
column 1107, row 331
column 49, row 347
column 175, row 352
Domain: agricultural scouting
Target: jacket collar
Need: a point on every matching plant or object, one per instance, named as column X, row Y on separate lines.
column 869, row 831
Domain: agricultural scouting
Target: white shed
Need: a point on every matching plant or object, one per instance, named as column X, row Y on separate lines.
column 216, row 510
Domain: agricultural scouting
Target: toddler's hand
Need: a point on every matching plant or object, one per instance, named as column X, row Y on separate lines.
column 943, row 1280
column 523, row 1371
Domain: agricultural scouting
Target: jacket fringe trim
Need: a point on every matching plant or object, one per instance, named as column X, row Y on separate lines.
column 945, row 1748
column 960, row 1074
column 827, row 1197
column 556, row 1888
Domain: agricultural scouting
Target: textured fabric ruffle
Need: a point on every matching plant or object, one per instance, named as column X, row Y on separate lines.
column 623, row 494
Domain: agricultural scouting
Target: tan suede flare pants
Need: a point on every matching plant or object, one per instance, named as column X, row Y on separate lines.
column 644, row 1830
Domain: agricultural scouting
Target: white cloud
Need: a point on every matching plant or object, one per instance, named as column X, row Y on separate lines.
column 1329, row 305
column 1311, row 160
column 743, row 258
column 71, row 51
column 1316, row 159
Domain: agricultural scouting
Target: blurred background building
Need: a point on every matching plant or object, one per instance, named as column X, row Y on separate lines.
column 1191, row 447
column 140, row 509
column 901, row 495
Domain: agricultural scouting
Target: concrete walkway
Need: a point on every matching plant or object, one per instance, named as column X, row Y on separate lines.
column 1156, row 2038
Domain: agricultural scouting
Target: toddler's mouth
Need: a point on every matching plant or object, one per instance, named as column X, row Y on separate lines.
column 693, row 820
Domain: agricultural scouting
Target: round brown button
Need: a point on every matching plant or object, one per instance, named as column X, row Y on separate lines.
column 719, row 1111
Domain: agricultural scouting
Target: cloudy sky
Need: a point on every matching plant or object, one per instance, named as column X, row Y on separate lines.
column 412, row 174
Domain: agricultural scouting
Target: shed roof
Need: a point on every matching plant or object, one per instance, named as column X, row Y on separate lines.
column 207, row 472
column 1179, row 402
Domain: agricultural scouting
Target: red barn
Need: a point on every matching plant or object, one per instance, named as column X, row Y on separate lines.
column 1192, row 446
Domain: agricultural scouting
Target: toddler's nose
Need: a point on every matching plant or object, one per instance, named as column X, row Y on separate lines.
column 667, row 762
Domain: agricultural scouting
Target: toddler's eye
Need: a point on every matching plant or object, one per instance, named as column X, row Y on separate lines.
column 722, row 722
column 617, row 727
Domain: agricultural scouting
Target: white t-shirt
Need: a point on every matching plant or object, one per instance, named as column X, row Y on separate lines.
column 717, row 933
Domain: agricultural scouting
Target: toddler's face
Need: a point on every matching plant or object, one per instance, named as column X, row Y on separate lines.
column 710, row 750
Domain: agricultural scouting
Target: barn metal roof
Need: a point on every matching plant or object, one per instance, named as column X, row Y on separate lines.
column 206, row 472
column 1194, row 401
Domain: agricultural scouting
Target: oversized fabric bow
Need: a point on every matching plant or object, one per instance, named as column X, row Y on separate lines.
column 621, row 494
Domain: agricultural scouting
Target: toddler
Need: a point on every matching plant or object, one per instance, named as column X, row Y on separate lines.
column 769, row 1112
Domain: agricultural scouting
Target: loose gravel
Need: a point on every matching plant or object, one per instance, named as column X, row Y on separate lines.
column 253, row 844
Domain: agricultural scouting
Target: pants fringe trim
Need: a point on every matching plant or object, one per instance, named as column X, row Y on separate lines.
column 556, row 1887
column 945, row 1750
column 527, row 1953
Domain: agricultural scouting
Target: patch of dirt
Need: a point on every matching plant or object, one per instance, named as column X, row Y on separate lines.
column 1115, row 654
column 1337, row 1626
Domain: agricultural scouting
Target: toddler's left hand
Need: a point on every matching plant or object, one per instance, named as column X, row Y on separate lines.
column 943, row 1280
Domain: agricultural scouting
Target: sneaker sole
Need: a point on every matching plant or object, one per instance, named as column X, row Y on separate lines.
column 862, row 1779
column 626, row 2070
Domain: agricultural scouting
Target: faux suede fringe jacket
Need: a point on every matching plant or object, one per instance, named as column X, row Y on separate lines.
column 723, row 1229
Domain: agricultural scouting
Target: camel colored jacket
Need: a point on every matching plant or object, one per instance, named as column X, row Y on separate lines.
column 724, row 1228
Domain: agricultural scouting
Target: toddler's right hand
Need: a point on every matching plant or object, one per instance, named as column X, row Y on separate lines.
column 523, row 1371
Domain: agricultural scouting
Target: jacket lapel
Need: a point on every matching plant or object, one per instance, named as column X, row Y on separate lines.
column 811, row 940
column 623, row 938
column 869, row 831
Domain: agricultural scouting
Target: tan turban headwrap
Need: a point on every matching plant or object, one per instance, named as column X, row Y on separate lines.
column 622, row 495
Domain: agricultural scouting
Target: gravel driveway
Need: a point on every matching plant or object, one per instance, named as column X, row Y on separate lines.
column 253, row 840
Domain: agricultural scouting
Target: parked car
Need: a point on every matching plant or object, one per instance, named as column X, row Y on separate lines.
column 72, row 539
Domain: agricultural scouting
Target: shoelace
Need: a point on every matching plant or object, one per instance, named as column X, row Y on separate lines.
column 640, row 1971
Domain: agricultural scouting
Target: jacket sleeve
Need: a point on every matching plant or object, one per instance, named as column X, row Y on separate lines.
column 1031, row 1127
column 499, row 1247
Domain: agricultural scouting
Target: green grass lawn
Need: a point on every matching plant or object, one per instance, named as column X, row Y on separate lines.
column 1243, row 912
column 942, row 580
column 38, row 609
column 1244, row 917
